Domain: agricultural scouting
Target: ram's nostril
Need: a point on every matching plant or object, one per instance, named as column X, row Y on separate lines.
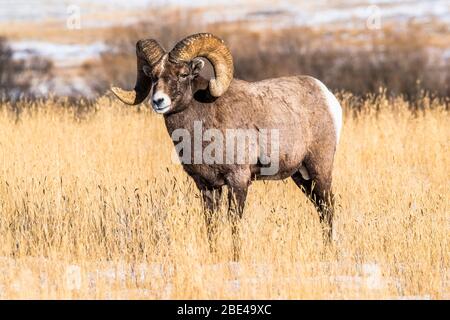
column 158, row 101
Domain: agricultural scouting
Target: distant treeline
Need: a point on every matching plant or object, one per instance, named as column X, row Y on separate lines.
column 400, row 61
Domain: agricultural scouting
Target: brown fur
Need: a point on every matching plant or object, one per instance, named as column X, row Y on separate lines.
column 294, row 105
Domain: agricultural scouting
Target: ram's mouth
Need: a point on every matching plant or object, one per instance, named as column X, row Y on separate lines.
column 162, row 110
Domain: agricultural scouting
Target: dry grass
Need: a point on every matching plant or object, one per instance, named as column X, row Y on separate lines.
column 94, row 208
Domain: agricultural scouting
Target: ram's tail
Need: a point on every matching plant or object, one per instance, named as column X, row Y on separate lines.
column 334, row 107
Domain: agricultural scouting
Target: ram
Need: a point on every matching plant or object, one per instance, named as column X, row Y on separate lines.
column 300, row 111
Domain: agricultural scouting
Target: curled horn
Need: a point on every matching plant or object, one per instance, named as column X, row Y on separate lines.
column 212, row 48
column 148, row 52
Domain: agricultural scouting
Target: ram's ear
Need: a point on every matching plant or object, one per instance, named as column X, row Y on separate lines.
column 197, row 65
column 147, row 71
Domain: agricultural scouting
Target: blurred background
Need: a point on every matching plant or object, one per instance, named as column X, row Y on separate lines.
column 78, row 48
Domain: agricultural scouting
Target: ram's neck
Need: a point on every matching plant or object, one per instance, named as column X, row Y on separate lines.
column 211, row 111
column 194, row 111
column 200, row 83
column 201, row 89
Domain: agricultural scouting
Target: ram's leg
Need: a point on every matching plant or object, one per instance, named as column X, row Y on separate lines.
column 237, row 194
column 211, row 203
column 316, row 184
column 211, row 199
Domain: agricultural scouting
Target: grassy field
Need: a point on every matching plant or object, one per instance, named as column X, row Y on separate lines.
column 91, row 206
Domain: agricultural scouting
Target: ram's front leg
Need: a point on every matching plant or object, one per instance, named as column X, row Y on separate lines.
column 238, row 183
column 211, row 203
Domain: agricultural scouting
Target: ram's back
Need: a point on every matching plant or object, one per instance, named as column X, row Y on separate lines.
column 297, row 106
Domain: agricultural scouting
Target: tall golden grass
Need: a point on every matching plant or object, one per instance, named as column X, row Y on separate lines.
column 91, row 206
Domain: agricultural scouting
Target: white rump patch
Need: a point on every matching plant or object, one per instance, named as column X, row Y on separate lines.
column 304, row 172
column 334, row 108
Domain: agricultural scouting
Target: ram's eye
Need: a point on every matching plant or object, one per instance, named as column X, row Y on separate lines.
column 184, row 75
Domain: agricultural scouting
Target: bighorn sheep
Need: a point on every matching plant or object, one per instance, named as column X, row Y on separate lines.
column 305, row 114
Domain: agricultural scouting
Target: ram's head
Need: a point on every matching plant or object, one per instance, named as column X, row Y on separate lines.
column 171, row 75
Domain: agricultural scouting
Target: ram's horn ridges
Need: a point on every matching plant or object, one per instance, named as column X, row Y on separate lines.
column 148, row 52
column 212, row 48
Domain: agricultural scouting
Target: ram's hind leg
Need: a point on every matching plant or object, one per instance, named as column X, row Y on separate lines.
column 316, row 184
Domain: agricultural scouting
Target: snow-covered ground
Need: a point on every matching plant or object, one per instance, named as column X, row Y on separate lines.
column 301, row 12
column 62, row 55
column 353, row 13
